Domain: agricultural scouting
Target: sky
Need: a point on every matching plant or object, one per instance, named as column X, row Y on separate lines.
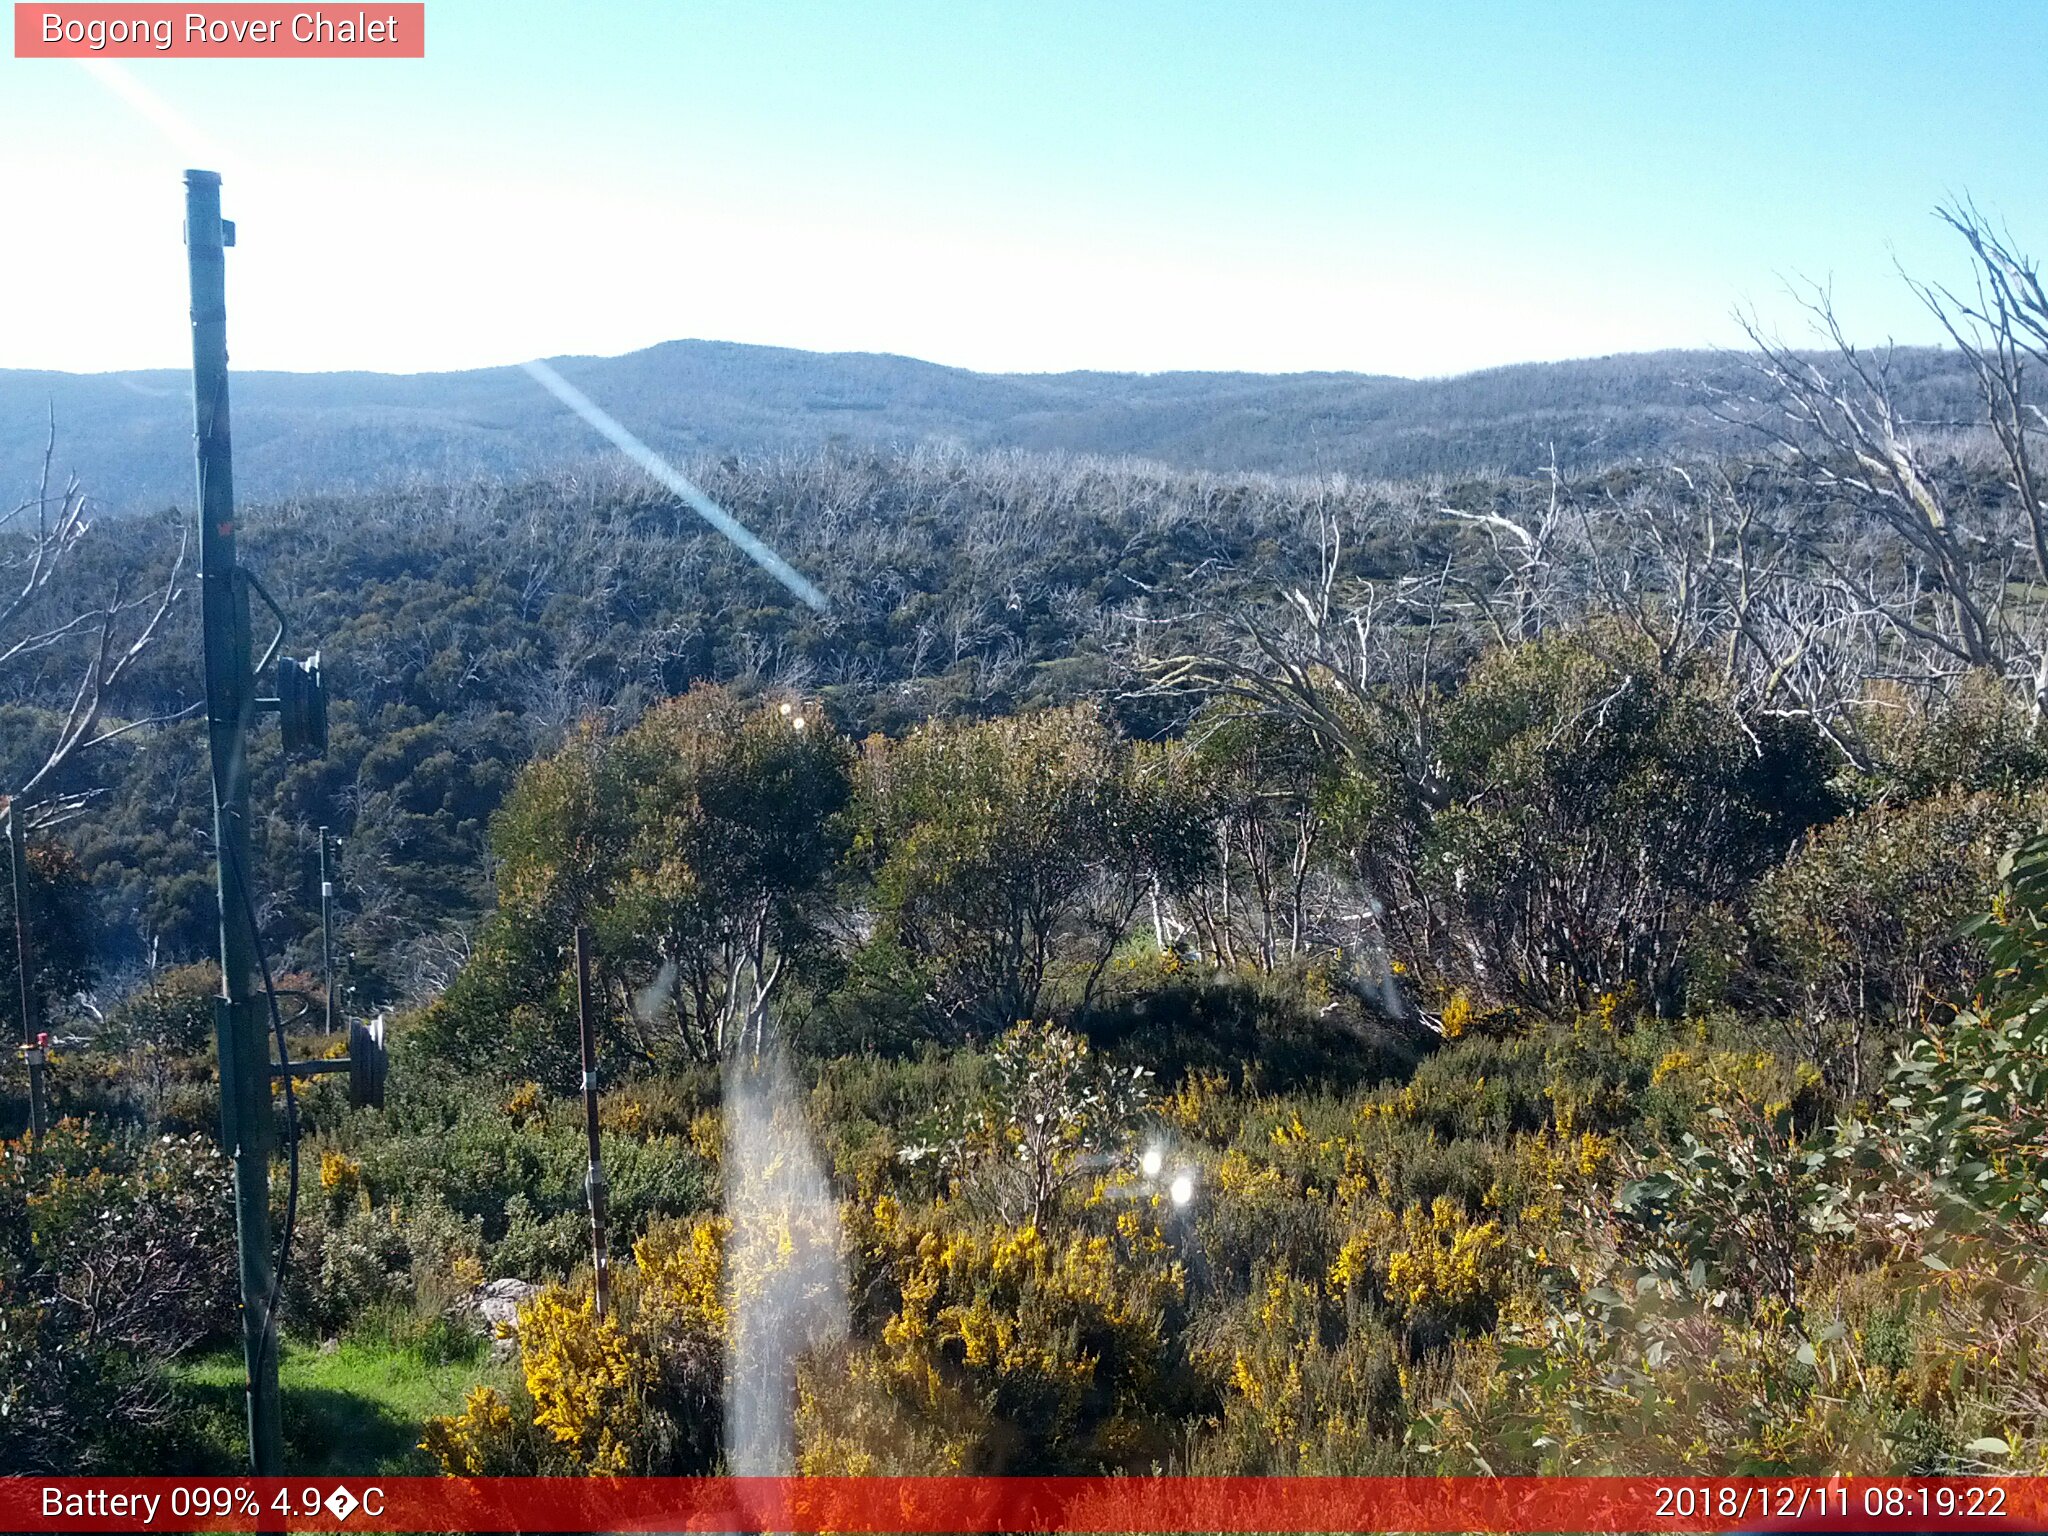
column 1273, row 185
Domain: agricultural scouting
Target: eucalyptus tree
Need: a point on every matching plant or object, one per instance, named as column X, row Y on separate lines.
column 999, row 850
column 698, row 846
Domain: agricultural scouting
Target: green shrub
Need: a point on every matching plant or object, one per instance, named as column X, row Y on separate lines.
column 1981, row 738
column 1594, row 801
column 1855, row 938
column 116, row 1255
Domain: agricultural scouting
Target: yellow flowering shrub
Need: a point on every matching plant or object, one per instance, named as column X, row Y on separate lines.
column 1542, row 1176
column 340, row 1175
column 1433, row 1261
column 1238, row 1176
column 1269, row 1381
column 707, row 1137
column 622, row 1115
column 1201, row 1106
column 583, row 1408
column 1308, row 1148
column 681, row 1268
column 852, row 1420
column 1300, row 1394
column 1694, row 1079
column 487, row 1439
column 1063, row 1341
column 1447, row 1264
column 1153, row 965
column 588, row 1379
column 1457, row 1014
column 635, row 1391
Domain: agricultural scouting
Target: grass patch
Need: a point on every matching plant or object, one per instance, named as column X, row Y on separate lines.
column 352, row 1411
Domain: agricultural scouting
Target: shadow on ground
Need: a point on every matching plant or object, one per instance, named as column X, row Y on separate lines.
column 327, row 1433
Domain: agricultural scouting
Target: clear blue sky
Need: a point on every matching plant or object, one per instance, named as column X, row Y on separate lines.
column 1414, row 189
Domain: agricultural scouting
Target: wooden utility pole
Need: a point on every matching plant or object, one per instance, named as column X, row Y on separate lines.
column 245, row 1014
column 326, row 932
column 241, row 1026
column 33, row 1048
column 593, row 1181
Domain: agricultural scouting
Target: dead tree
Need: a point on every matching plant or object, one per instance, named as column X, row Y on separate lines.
column 2001, row 332
column 1960, row 586
column 39, row 539
column 1844, row 434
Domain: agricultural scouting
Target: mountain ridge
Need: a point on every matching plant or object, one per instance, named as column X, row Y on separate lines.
column 127, row 434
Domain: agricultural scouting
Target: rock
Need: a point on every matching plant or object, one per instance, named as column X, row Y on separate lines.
column 497, row 1304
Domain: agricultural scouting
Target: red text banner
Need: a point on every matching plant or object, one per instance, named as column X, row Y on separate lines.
column 235, row 31
column 925, row 1506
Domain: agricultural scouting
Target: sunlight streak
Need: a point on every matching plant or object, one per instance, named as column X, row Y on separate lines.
column 660, row 468
column 118, row 80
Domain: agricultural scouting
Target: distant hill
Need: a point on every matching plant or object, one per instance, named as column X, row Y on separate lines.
column 127, row 435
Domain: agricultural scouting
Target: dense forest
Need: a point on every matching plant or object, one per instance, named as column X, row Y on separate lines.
column 1171, row 969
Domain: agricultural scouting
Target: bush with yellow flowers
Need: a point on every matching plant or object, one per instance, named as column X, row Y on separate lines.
column 489, row 1438
column 1309, row 1387
column 636, row 1391
column 583, row 1406
column 1016, row 1350
column 341, row 1179
column 1436, row 1265
column 1612, row 1242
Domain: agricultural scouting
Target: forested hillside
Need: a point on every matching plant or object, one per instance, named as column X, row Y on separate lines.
column 1169, row 969
column 127, row 433
column 466, row 630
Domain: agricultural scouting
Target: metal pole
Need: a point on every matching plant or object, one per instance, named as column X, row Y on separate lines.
column 593, row 1181
column 241, row 1026
column 24, row 970
column 326, row 932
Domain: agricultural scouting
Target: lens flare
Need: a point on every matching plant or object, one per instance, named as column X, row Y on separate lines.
column 673, row 479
